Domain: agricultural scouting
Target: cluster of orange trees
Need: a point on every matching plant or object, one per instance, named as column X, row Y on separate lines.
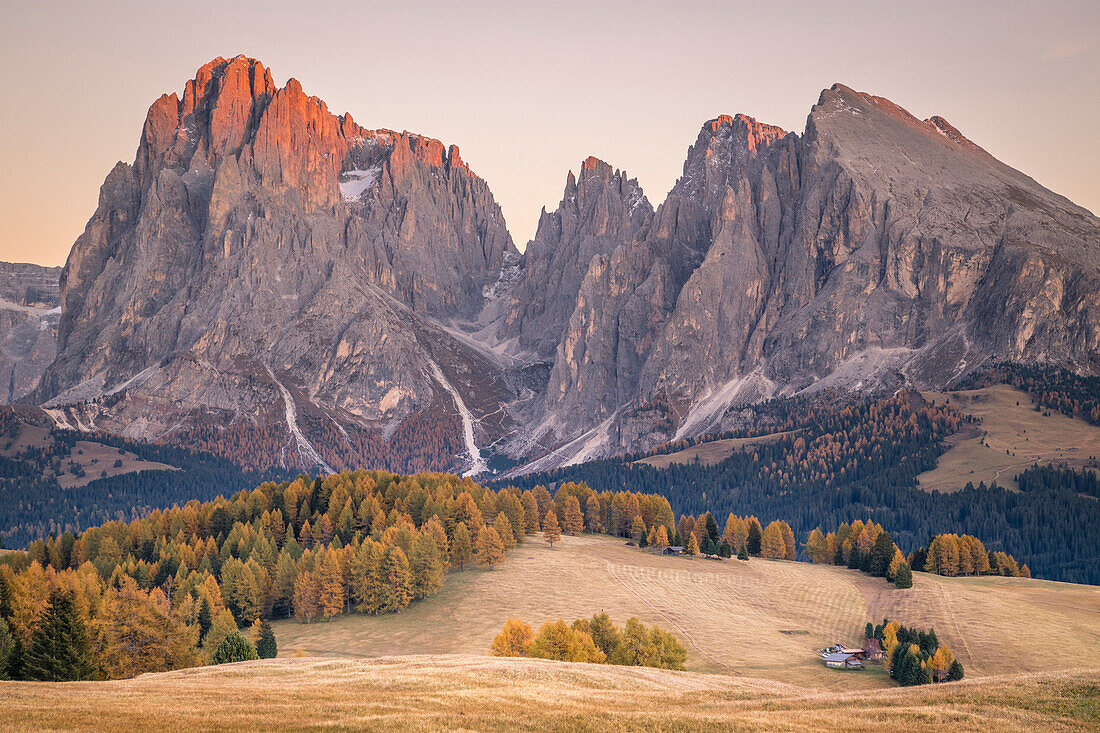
column 596, row 640
column 953, row 554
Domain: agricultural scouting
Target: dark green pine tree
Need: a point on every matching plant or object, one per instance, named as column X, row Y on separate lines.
column 724, row 549
column 955, row 671
column 881, row 554
column 7, row 648
column 743, row 553
column 206, row 617
column 234, row 648
column 712, row 529
column 266, row 648
column 904, row 578
column 59, row 650
column 869, row 631
column 755, row 537
column 854, row 559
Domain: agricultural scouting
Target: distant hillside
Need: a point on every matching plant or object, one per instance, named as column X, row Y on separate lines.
column 54, row 480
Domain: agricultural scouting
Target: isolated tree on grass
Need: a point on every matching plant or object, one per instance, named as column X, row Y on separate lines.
column 490, row 548
column 234, row 648
column 955, row 673
column 59, row 650
column 551, row 531
column 515, row 640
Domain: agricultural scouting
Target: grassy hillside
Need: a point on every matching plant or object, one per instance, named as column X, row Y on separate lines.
column 761, row 619
column 475, row 693
column 1015, row 436
column 712, row 451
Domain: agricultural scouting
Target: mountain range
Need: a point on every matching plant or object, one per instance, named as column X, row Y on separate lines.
column 277, row 284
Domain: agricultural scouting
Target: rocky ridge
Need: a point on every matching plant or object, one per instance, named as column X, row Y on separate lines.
column 29, row 312
column 265, row 263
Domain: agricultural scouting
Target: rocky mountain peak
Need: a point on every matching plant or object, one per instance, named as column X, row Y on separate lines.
column 254, row 258
column 600, row 211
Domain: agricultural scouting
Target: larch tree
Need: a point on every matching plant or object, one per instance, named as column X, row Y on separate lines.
column 461, row 546
column 593, row 515
column 530, row 512
column 941, row 662
column 790, row 546
column 637, row 529
column 428, row 564
column 572, row 519
column 399, row 581
column 490, row 548
column 551, row 531
column 515, row 640
column 660, row 539
column 504, row 531
column 816, row 547
column 772, row 545
column 307, row 597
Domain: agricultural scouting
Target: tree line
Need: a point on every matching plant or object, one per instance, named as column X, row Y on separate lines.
column 861, row 462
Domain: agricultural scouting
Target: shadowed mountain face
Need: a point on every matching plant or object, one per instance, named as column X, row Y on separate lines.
column 266, row 271
column 28, row 326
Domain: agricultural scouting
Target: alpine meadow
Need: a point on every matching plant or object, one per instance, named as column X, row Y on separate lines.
column 313, row 422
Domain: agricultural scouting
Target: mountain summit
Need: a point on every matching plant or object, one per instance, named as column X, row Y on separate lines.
column 263, row 274
column 284, row 286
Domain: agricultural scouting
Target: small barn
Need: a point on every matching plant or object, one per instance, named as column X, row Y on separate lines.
column 674, row 550
column 872, row 649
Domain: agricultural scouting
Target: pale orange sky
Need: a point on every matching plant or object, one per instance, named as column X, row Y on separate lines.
column 529, row 90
